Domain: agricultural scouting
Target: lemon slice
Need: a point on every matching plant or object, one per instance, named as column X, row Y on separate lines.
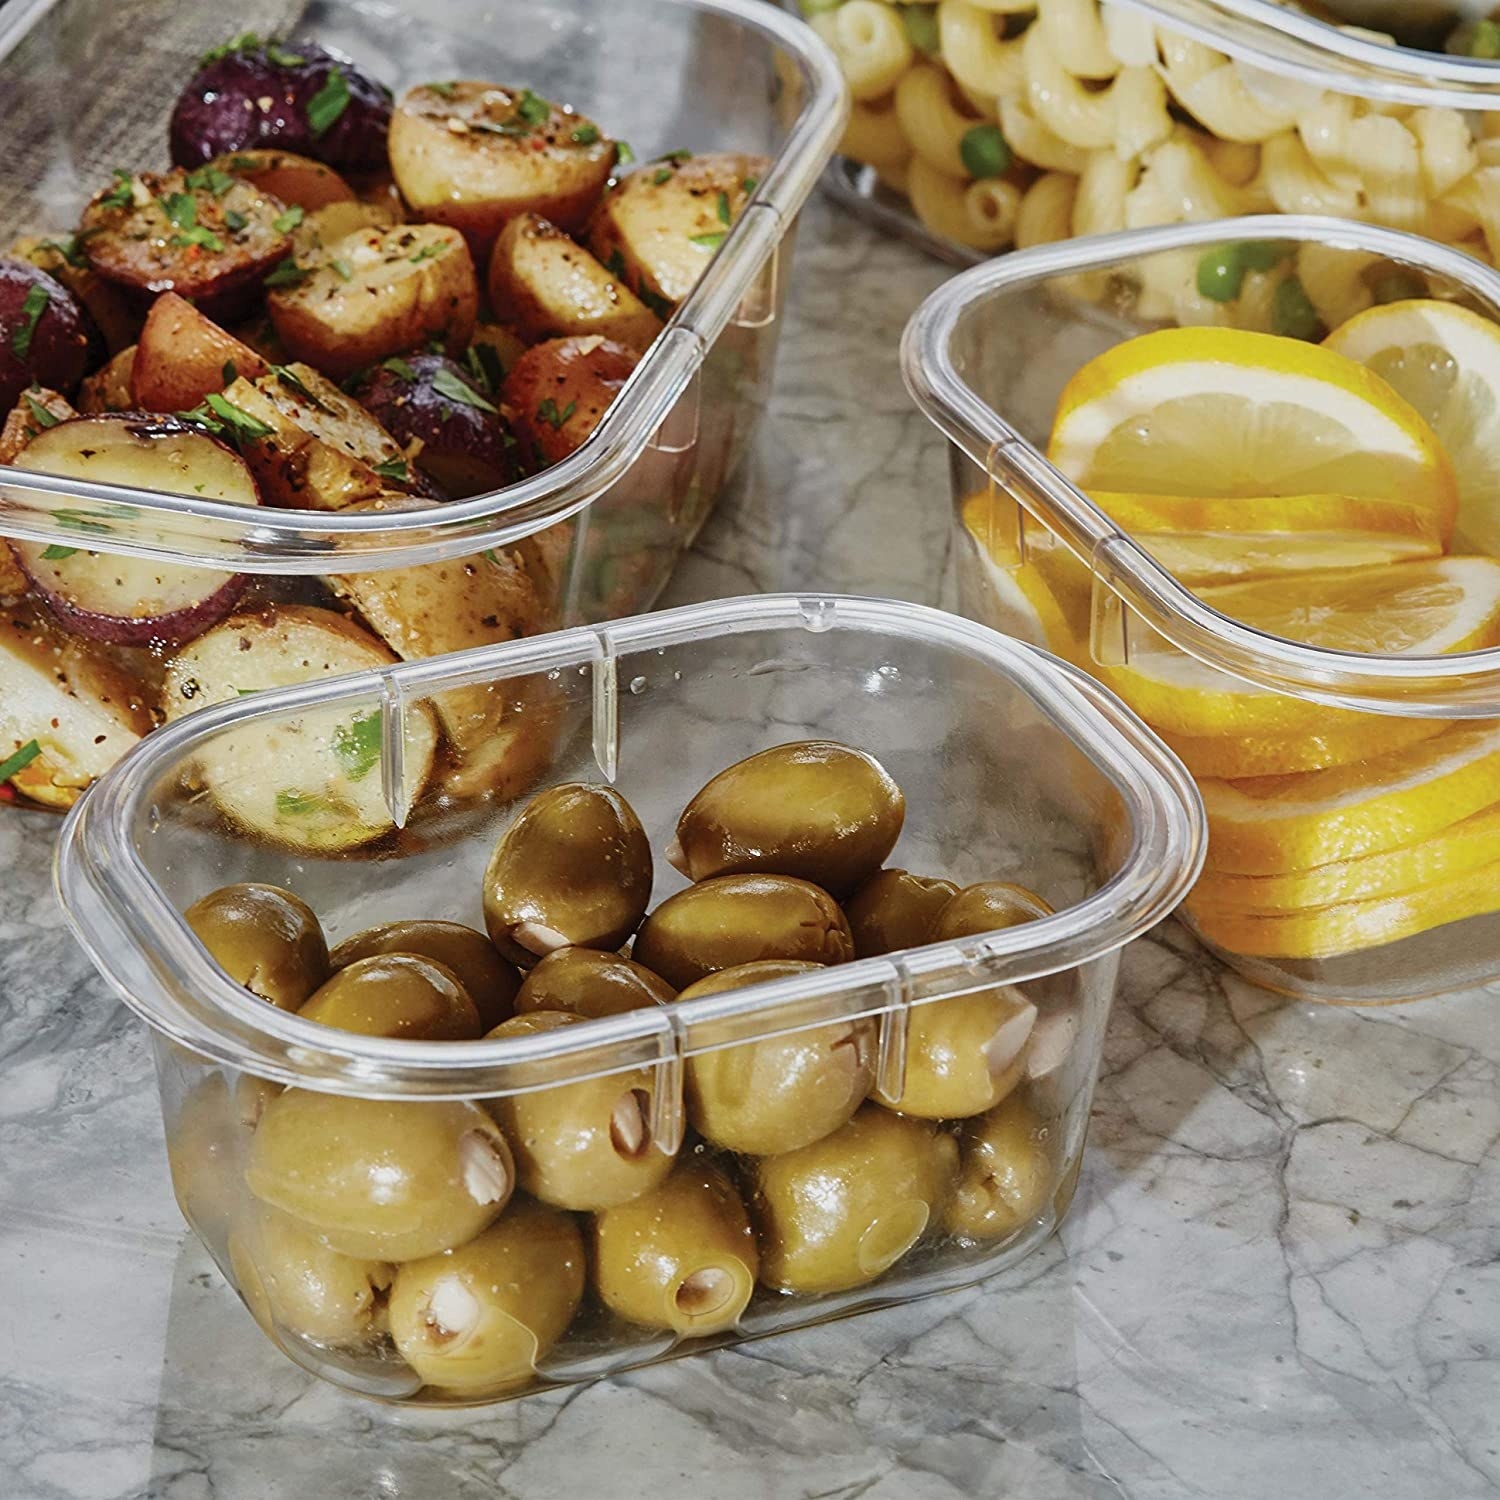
column 1220, row 411
column 1464, row 846
column 1232, row 757
column 1329, row 931
column 1277, row 825
column 1445, row 361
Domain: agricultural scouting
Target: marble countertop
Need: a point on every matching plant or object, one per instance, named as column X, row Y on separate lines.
column 1280, row 1279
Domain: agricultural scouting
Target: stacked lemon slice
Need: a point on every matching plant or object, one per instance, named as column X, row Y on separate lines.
column 1314, row 494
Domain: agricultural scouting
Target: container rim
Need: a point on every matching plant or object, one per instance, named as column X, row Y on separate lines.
column 1293, row 44
column 141, row 945
column 262, row 539
column 1466, row 685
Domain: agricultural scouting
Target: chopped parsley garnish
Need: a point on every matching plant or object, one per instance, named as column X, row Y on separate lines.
column 180, row 208
column 708, row 241
column 584, row 135
column 358, row 746
column 483, row 363
column 398, row 367
column 293, row 382
column 750, row 184
column 122, row 194
column 661, row 175
column 241, row 423
column 324, row 108
column 342, row 268
column 723, row 209
column 444, row 90
column 39, row 413
column 533, row 108
column 394, row 468
column 490, row 555
column 294, row 804
column 20, row 760
column 78, row 520
column 234, row 221
column 209, row 179
column 227, row 372
column 32, row 308
column 449, row 386
column 247, row 692
column 245, row 163
column 675, row 157
column 197, row 235
column 246, row 41
column 281, row 58
column 429, row 252
column 285, row 222
column 287, row 273
column 67, row 247
column 56, row 553
column 548, row 412
column 624, row 155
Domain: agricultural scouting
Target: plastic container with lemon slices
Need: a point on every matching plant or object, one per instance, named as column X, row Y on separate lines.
column 1283, row 553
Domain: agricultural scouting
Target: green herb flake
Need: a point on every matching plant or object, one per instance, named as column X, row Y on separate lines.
column 246, row 41
column 209, row 180
column 32, row 308
column 443, row 90
column 394, row 468
column 449, row 386
column 20, row 760
column 180, row 208
column 277, row 55
column 675, row 157
column 357, row 746
column 325, row 107
column 483, row 363
column 67, row 247
column 244, row 163
column 533, row 108
column 399, row 368
column 708, row 241
column 429, row 252
column 227, row 372
column 241, row 423
column 39, row 413
column 624, row 155
column 122, row 194
column 490, row 555
column 293, row 382
column 295, row 804
column 285, row 223
column 287, row 273
column 750, row 184
column 246, row 692
column 342, row 269
column 197, row 235
column 661, row 175
column 234, row 221
column 722, row 209
column 79, row 520
column 56, row 553
column 584, row 135
column 548, row 412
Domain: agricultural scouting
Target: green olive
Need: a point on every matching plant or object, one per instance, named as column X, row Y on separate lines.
column 844, row 1210
column 816, row 810
column 264, row 938
column 294, row 1283
column 397, row 995
column 587, row 982
column 741, row 919
column 381, row 1179
column 585, row 1145
column 895, row 909
column 681, row 1256
column 574, row 868
column 490, row 981
column 202, row 1156
column 475, row 1321
column 1005, row 1172
column 774, row 1095
column 987, row 907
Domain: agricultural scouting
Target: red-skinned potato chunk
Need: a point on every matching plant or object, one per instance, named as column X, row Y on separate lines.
column 62, row 258
column 474, row 155
column 82, row 708
column 46, row 338
column 204, row 234
column 320, row 450
column 559, row 390
column 660, row 226
column 375, row 293
column 182, row 356
column 298, row 181
column 545, row 286
column 108, row 388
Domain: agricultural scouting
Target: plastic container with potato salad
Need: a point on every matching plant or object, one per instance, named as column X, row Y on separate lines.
column 1014, row 767
column 1317, row 884
column 609, row 520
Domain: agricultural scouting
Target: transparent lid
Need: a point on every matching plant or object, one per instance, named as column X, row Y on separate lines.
column 719, row 75
column 1329, row 54
column 1141, row 825
column 943, row 359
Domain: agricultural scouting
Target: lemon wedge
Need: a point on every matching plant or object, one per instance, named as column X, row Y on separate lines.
column 1445, row 361
column 1232, row 757
column 1228, row 413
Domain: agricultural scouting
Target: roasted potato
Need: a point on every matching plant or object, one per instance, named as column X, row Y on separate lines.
column 375, row 293
column 661, row 224
column 312, row 781
column 36, row 411
column 546, row 286
column 320, row 450
column 182, row 356
column 81, row 708
column 114, row 314
column 205, row 235
column 457, row 435
column 559, row 390
column 334, row 221
column 298, row 181
column 123, row 599
column 475, row 155
column 108, row 388
column 46, row 338
column 296, row 96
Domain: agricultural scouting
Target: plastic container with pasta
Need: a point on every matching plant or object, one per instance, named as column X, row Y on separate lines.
column 982, row 125
column 1353, row 795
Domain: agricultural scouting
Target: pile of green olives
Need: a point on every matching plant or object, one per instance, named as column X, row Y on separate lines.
column 466, row 1237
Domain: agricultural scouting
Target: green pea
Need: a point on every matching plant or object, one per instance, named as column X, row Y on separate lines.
column 1485, row 43
column 922, row 28
column 1221, row 273
column 1398, row 286
column 984, row 152
column 1292, row 314
column 1262, row 255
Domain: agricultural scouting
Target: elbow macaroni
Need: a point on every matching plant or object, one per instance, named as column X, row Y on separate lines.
column 1090, row 101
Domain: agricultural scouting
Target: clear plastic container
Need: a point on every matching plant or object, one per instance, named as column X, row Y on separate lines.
column 1039, row 560
column 1014, row 766
column 1123, row 114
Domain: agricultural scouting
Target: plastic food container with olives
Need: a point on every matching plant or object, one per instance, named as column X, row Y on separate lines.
column 775, row 990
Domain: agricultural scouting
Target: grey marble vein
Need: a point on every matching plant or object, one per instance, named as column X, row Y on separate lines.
column 1280, row 1280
